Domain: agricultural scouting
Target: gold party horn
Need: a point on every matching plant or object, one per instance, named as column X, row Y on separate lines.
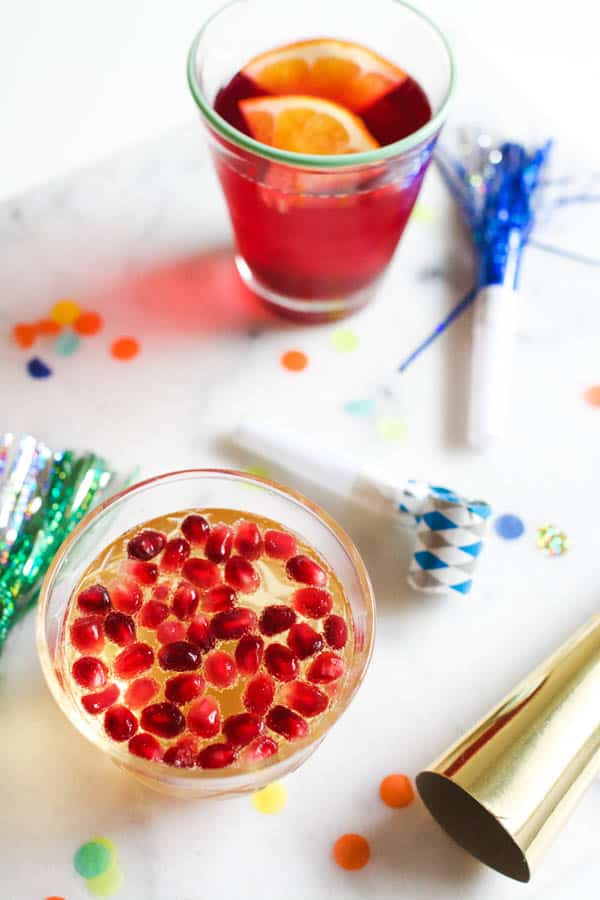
column 505, row 789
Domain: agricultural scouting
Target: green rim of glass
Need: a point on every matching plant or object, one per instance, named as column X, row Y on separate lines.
column 309, row 160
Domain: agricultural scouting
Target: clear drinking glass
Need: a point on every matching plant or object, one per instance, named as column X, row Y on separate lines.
column 199, row 488
column 315, row 233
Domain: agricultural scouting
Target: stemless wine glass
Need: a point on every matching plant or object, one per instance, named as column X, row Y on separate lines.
column 315, row 233
column 178, row 491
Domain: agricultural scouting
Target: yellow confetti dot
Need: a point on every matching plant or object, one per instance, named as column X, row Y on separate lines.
column 390, row 428
column 107, row 884
column 271, row 799
column 110, row 846
column 65, row 312
column 259, row 472
column 344, row 340
column 422, row 213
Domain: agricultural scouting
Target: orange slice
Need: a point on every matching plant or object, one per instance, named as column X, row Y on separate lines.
column 306, row 125
column 346, row 73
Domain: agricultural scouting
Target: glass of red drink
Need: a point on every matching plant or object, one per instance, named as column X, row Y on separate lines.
column 316, row 232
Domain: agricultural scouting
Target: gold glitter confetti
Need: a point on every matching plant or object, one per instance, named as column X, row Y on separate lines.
column 552, row 541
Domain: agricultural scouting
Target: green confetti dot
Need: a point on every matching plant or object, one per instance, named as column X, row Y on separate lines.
column 344, row 340
column 390, row 428
column 92, row 859
column 108, row 883
column 67, row 343
column 361, row 407
column 422, row 213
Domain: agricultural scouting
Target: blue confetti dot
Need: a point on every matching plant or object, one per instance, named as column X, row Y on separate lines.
column 67, row 343
column 509, row 527
column 38, row 369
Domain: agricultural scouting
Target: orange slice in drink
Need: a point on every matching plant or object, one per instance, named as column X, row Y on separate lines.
column 306, row 125
column 346, row 73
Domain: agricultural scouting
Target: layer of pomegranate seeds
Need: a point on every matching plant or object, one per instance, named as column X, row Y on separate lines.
column 220, row 669
column 304, row 641
column 219, row 599
column 281, row 662
column 163, row 719
column 243, row 728
column 196, row 529
column 183, row 754
column 241, row 575
column 183, row 688
column 305, row 698
column 204, row 717
column 120, row 723
column 202, row 572
column 145, row 746
column 133, row 660
column 275, row 619
column 97, row 703
column 219, row 543
column 234, row 623
column 161, row 592
column 89, row 672
column 259, row 694
column 143, row 572
column 314, row 603
column 153, row 613
column 119, row 628
column 185, row 601
column 176, row 552
column 279, row 545
column 248, row 541
column 216, row 756
column 335, row 631
column 180, row 656
column 200, row 633
column 287, row 723
column 146, row 545
column 249, row 653
column 141, row 691
column 305, row 570
column 94, row 599
column 325, row 668
column 260, row 749
column 126, row 597
column 170, row 631
column 87, row 634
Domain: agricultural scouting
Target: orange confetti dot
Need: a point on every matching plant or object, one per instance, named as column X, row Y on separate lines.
column 47, row 327
column 88, row 323
column 294, row 360
column 24, row 334
column 351, row 852
column 396, row 791
column 55, row 898
column 124, row 348
column 592, row 395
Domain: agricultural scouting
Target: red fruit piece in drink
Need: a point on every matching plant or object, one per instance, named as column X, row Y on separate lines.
column 87, row 635
column 126, row 597
column 163, row 719
column 276, row 618
column 120, row 723
column 97, row 703
column 242, row 728
column 325, row 668
column 200, row 633
column 248, row 541
column 183, row 754
column 170, row 631
column 241, row 575
column 219, row 599
column 220, row 669
column 248, row 654
column 183, row 688
column 219, row 543
column 259, row 694
column 234, row 623
column 281, row 662
column 133, row 660
column 279, row 544
column 216, row 756
column 303, row 640
column 89, row 672
column 94, row 599
column 196, row 529
column 260, row 749
column 145, row 746
column 314, row 603
column 185, row 600
column 176, row 552
column 143, row 572
column 287, row 723
column 180, row 656
column 305, row 570
column 146, row 544
column 305, row 698
column 153, row 613
column 335, row 631
column 202, row 572
column 141, row 691
column 204, row 717
column 119, row 628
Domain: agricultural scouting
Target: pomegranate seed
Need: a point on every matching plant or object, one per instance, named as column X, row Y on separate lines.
column 248, row 541
column 304, row 640
column 119, row 628
column 260, row 749
column 176, row 552
column 160, row 592
column 163, row 719
column 220, row 669
column 204, row 717
column 219, row 599
column 146, row 545
column 305, row 698
column 241, row 575
column 287, row 723
column 89, row 672
column 146, row 746
column 233, row 623
column 216, row 756
column 259, row 694
column 325, row 668
column 277, row 618
column 144, row 572
column 314, row 603
column 185, row 601
column 243, row 728
column 335, row 631
column 306, row 571
column 134, row 660
column 97, row 703
column 94, row 599
column 281, row 662
column 86, row 634
column 248, row 654
column 202, row 572
column 183, row 754
column 141, row 691
column 170, row 631
column 120, row 723
column 279, row 545
column 196, row 529
column 200, row 633
column 183, row 688
column 127, row 597
column 180, row 656
column 219, row 543
column 153, row 613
